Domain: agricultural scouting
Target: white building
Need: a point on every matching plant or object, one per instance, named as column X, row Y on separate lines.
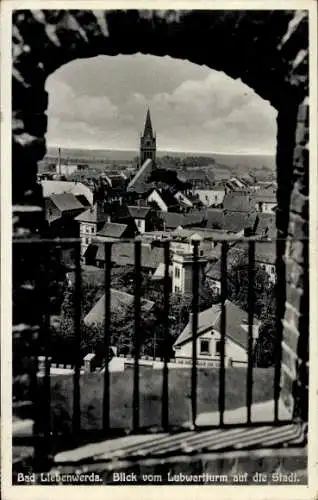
column 65, row 169
column 266, row 200
column 182, row 272
column 90, row 222
column 211, row 197
column 208, row 343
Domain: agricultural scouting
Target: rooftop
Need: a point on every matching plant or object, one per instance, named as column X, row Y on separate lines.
column 236, row 322
column 66, row 201
column 112, row 230
column 266, row 195
column 123, row 254
column 58, row 187
column 94, row 214
column 118, row 300
column 137, row 212
column 173, row 220
column 140, row 179
column 239, row 201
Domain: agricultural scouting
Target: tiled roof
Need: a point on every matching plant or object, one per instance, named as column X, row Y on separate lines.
column 215, row 217
column 228, row 220
column 266, row 195
column 140, row 179
column 197, row 177
column 247, row 179
column 211, row 318
column 112, row 230
column 238, row 221
column 118, row 300
column 138, row 212
column 239, row 201
column 93, row 214
column 59, row 187
column 173, row 220
column 66, row 201
column 206, row 319
column 123, row 254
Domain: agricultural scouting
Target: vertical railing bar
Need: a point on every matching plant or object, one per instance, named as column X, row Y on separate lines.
column 280, row 288
column 195, row 308
column 136, row 398
column 77, row 346
column 107, row 284
column 223, row 331
column 165, row 385
column 250, row 300
column 46, row 342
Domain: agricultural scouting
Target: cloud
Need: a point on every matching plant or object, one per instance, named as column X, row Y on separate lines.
column 210, row 113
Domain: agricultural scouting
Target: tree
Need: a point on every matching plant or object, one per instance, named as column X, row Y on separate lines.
column 265, row 348
column 238, row 283
column 264, row 352
column 264, row 304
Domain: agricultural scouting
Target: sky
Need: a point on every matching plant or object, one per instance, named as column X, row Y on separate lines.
column 101, row 102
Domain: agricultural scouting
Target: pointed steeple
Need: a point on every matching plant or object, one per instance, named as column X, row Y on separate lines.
column 147, row 142
column 148, row 126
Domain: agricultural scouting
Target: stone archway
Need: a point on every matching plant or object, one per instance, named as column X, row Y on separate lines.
column 268, row 50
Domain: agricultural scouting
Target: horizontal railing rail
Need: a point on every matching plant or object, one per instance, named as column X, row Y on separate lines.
column 42, row 431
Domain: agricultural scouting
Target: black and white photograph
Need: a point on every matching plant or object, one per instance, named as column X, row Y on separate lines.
column 157, row 314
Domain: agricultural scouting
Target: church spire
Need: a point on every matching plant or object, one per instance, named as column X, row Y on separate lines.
column 148, row 142
column 148, row 126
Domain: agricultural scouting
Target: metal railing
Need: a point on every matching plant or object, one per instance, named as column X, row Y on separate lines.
column 42, row 432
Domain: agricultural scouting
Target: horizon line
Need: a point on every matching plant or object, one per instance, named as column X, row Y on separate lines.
column 88, row 148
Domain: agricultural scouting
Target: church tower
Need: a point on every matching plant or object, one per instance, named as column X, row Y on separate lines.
column 147, row 142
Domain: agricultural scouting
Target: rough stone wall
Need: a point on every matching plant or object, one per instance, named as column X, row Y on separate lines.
column 268, row 50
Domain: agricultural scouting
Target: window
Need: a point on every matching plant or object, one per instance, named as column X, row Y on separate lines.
column 218, row 347
column 177, row 272
column 204, row 347
column 86, row 241
column 273, row 270
column 176, row 289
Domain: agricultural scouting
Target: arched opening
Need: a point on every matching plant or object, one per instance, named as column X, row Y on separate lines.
column 194, row 108
column 268, row 50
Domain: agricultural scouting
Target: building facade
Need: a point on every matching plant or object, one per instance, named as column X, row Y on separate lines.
column 90, row 222
column 182, row 272
column 208, row 341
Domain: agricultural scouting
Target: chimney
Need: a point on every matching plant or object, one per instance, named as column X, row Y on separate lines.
column 59, row 161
